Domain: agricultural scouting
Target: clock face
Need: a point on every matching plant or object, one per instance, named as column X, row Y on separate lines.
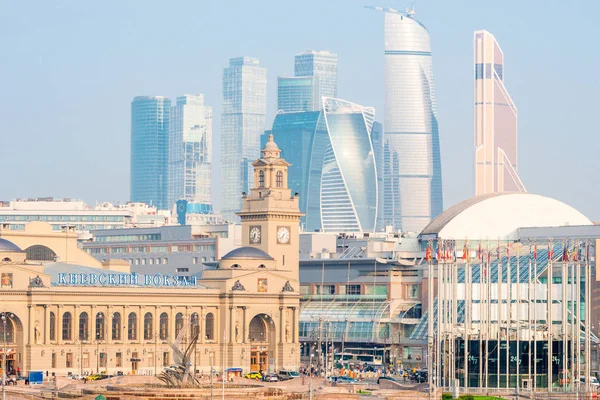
column 255, row 234
column 283, row 234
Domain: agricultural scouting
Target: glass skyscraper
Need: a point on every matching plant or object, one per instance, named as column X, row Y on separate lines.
column 242, row 123
column 299, row 93
column 321, row 64
column 334, row 164
column 149, row 150
column 190, row 150
column 412, row 165
column 495, row 121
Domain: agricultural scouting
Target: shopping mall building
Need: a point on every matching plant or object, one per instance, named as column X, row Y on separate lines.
column 80, row 314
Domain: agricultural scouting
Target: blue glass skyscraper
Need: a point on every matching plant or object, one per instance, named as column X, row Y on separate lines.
column 242, row 123
column 299, row 93
column 149, row 150
column 412, row 168
column 321, row 64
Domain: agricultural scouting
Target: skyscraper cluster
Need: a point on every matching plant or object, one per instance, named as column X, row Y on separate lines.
column 353, row 174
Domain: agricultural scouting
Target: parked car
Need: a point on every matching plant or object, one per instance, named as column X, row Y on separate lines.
column 271, row 378
column 253, row 375
column 593, row 381
column 285, row 375
column 421, row 377
column 385, row 378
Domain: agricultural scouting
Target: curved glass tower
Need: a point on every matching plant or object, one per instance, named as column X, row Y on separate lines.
column 413, row 174
column 349, row 192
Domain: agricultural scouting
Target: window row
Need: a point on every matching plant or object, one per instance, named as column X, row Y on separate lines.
column 101, row 330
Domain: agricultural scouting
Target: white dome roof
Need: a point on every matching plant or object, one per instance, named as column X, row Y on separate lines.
column 500, row 215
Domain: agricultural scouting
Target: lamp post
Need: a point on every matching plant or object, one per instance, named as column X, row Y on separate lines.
column 5, row 317
column 310, row 377
column 97, row 352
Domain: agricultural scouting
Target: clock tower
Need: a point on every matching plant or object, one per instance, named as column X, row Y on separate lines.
column 270, row 213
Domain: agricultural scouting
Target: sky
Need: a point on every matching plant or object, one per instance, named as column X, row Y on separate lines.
column 69, row 70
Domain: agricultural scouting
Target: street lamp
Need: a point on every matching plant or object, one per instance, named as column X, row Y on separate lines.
column 5, row 318
column 310, row 377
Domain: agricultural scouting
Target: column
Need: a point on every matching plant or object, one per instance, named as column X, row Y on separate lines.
column 231, row 324
column 109, row 326
column 46, row 324
column 202, row 325
column 124, row 326
column 295, row 325
column 245, row 327
column 58, row 324
column 140, row 325
column 171, row 333
column 29, row 325
column 76, row 321
column 281, row 324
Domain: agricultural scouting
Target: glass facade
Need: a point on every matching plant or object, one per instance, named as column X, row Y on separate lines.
column 495, row 121
column 322, row 65
column 190, row 150
column 298, row 94
column 324, row 149
column 349, row 192
column 412, row 165
column 242, row 123
column 149, row 150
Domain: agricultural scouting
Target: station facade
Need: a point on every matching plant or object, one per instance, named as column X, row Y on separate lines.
column 65, row 317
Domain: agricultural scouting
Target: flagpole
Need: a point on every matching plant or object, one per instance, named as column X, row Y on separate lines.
column 438, row 341
column 499, row 316
column 508, row 313
column 565, row 327
column 518, row 312
column 529, row 323
column 480, row 295
column 535, row 319
column 588, row 315
column 430, row 319
column 549, row 319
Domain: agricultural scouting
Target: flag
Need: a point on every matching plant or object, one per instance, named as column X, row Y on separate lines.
column 465, row 255
column 439, row 252
column 428, row 253
column 565, row 256
column 535, row 251
column 550, row 252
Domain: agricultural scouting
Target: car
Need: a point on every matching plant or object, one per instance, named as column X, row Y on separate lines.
column 421, row 377
column 285, row 375
column 593, row 381
column 271, row 378
column 385, row 378
column 253, row 375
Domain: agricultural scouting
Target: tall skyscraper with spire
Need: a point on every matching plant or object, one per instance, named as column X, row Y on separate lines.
column 495, row 121
column 412, row 164
column 242, row 123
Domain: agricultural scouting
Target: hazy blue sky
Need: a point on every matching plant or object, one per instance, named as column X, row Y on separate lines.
column 69, row 70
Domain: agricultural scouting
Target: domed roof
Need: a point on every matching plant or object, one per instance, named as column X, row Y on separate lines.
column 6, row 246
column 271, row 145
column 247, row 253
column 500, row 215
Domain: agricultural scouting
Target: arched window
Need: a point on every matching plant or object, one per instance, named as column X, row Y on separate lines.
column 279, row 179
column 100, row 321
column 261, row 178
column 210, row 326
column 164, row 326
column 178, row 323
column 148, row 323
column 40, row 253
column 262, row 266
column 6, row 259
column 67, row 324
column 132, row 326
column 84, row 326
column 10, row 331
column 116, row 326
column 258, row 330
column 52, row 326
column 235, row 266
column 194, row 327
